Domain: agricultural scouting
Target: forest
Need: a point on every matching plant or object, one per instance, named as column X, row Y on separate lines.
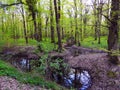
column 59, row 45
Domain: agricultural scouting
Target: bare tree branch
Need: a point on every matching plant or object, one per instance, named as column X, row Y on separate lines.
column 106, row 17
column 7, row 5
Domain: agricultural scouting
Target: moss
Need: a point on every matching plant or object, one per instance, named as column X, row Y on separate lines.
column 111, row 74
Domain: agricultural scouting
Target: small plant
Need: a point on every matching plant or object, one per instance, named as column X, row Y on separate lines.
column 51, row 67
column 43, row 64
column 111, row 74
column 28, row 78
column 45, row 46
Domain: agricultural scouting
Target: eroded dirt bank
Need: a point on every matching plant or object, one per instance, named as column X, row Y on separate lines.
column 105, row 76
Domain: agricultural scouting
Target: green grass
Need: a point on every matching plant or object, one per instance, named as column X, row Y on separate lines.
column 28, row 78
column 47, row 46
column 91, row 43
column 22, row 42
column 11, row 42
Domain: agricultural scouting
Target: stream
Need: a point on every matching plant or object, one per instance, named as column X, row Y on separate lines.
column 81, row 80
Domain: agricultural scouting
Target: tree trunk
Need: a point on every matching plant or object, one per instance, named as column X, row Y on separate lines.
column 95, row 15
column 100, row 7
column 2, row 28
column 113, row 32
column 46, row 27
column 71, row 23
column 85, row 21
column 40, row 30
column 51, row 23
column 35, row 26
column 62, row 33
column 57, row 14
column 76, row 24
column 24, row 26
column 13, row 27
column 81, row 19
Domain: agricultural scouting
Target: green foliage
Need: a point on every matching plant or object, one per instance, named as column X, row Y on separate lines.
column 46, row 46
column 31, row 5
column 8, row 70
column 12, row 42
column 56, row 66
column 90, row 42
column 28, row 78
column 43, row 65
column 22, row 42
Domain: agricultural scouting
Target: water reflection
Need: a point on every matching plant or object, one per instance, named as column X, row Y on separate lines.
column 25, row 64
column 75, row 78
column 81, row 81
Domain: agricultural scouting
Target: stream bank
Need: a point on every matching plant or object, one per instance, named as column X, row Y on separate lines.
column 104, row 75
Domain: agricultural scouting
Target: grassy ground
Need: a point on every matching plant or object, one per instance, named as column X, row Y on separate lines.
column 47, row 46
column 21, row 41
column 90, row 42
column 33, row 78
column 27, row 78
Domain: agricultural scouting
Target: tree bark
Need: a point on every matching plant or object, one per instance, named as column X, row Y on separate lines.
column 24, row 26
column 40, row 30
column 32, row 8
column 95, row 15
column 100, row 7
column 46, row 27
column 57, row 14
column 85, row 21
column 113, row 32
column 71, row 23
column 51, row 23
column 35, row 26
column 76, row 24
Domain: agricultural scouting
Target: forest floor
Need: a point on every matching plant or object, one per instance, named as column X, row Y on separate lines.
column 7, row 83
column 105, row 76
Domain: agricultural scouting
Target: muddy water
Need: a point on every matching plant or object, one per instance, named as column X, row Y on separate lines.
column 23, row 64
column 74, row 79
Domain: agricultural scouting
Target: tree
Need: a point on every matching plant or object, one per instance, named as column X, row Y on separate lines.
column 57, row 14
column 76, row 22
column 33, row 11
column 39, row 18
column 99, row 19
column 81, row 20
column 97, row 8
column 85, row 19
column 24, row 24
column 51, row 22
column 95, row 16
column 69, row 11
column 113, row 32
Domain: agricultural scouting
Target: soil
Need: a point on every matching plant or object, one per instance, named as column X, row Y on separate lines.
column 105, row 76
column 7, row 83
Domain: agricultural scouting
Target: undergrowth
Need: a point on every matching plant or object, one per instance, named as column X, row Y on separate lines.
column 28, row 78
column 91, row 43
